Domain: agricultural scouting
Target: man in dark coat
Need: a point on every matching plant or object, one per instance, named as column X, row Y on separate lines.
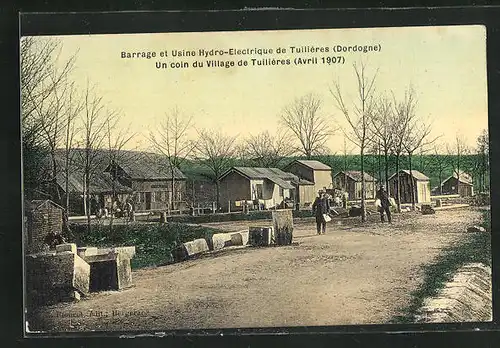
column 385, row 204
column 320, row 207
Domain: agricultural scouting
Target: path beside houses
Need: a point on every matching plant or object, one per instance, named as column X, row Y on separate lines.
column 352, row 275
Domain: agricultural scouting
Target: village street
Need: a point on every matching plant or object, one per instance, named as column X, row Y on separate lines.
column 351, row 275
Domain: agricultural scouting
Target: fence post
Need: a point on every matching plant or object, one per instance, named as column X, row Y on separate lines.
column 228, row 206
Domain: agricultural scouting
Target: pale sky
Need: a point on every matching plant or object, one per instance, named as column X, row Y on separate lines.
column 446, row 65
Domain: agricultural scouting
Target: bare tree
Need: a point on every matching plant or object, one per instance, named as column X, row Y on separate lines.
column 93, row 120
column 267, row 150
column 382, row 127
column 40, row 79
column 216, row 151
column 404, row 113
column 171, row 140
column 74, row 106
column 303, row 118
column 483, row 159
column 439, row 163
column 416, row 137
column 358, row 118
column 457, row 151
column 117, row 138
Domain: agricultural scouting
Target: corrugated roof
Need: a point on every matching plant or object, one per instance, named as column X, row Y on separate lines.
column 99, row 183
column 356, row 175
column 465, row 178
column 138, row 165
column 299, row 181
column 280, row 182
column 416, row 174
column 275, row 175
column 262, row 173
column 313, row 164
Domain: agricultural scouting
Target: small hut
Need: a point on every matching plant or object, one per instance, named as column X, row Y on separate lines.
column 421, row 186
column 460, row 184
column 43, row 217
column 350, row 181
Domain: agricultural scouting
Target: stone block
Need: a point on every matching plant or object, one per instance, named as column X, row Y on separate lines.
column 66, row 247
column 220, row 240
column 124, row 272
column 191, row 249
column 282, row 227
column 427, row 209
column 51, row 277
column 127, row 252
column 239, row 238
column 86, row 251
column 260, row 236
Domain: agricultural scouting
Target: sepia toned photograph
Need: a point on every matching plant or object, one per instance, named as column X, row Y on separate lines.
column 255, row 179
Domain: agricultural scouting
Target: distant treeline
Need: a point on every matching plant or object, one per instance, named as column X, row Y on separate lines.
column 436, row 167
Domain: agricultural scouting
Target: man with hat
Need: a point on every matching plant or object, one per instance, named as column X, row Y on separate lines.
column 385, row 205
column 320, row 207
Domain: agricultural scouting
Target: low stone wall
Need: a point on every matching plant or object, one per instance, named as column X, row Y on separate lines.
column 466, row 298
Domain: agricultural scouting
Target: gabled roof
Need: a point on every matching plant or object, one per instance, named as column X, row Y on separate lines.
column 299, row 181
column 148, row 167
column 99, row 183
column 37, row 203
column 465, row 178
column 356, row 175
column 275, row 175
column 313, row 164
column 415, row 173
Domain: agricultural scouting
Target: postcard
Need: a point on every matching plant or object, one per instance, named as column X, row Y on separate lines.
column 255, row 179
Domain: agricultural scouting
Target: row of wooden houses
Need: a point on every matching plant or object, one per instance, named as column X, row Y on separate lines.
column 149, row 183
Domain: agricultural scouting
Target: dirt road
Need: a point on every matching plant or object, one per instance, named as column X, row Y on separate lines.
column 351, row 275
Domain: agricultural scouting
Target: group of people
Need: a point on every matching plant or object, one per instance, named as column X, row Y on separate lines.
column 321, row 208
column 118, row 209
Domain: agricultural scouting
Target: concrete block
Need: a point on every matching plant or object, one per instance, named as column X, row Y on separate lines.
column 239, row 238
column 86, row 251
column 124, row 272
column 191, row 249
column 220, row 240
column 282, row 227
column 126, row 252
column 66, row 247
column 51, row 276
column 260, row 236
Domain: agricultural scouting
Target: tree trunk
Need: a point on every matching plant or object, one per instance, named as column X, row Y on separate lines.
column 412, row 187
column 440, row 182
column 363, row 188
column 87, row 202
column 217, row 187
column 386, row 160
column 171, row 204
column 398, row 183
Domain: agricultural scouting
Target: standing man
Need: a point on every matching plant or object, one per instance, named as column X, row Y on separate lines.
column 385, row 204
column 320, row 207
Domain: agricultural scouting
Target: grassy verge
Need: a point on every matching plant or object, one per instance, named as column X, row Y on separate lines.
column 225, row 217
column 475, row 248
column 153, row 242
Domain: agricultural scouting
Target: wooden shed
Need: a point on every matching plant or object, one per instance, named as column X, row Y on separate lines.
column 350, row 182
column 312, row 171
column 42, row 218
column 460, row 184
column 421, row 186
